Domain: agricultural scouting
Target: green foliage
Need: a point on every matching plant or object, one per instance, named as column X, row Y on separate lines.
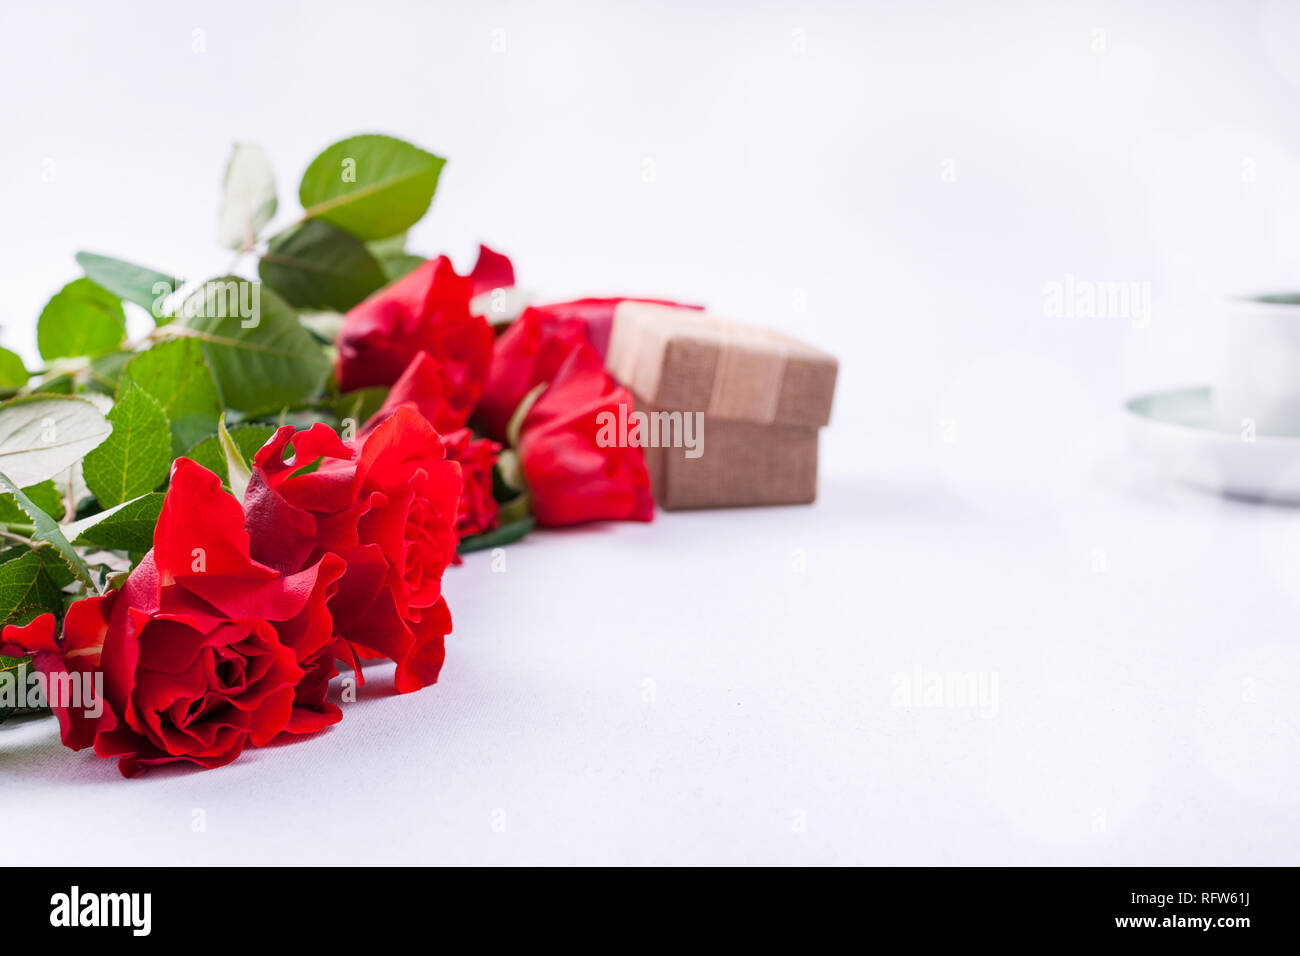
column 106, row 372
column 247, row 438
column 147, row 288
column 41, row 435
column 48, row 530
column 248, row 200
column 358, row 405
column 16, row 667
column 317, row 266
column 83, row 318
column 371, row 186
column 393, row 257
column 47, row 497
column 128, row 527
column 25, row 583
column 138, row 455
column 237, row 471
column 506, row 534
column 259, row 353
column 177, row 376
column 97, row 429
column 13, row 374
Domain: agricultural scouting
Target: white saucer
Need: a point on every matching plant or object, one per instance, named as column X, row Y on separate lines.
column 1175, row 430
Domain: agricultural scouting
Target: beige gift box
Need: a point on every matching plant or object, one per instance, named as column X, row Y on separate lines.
column 759, row 398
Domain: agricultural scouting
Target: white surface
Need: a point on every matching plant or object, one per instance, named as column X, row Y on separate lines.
column 904, row 193
column 1155, row 697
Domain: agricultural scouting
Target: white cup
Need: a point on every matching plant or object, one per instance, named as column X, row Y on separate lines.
column 1257, row 382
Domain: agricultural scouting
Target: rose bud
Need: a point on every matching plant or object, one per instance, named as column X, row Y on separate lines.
column 478, row 511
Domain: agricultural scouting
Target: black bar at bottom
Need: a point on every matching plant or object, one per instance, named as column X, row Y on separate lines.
column 329, row 905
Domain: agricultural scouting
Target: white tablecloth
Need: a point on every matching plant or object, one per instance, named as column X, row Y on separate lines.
column 733, row 687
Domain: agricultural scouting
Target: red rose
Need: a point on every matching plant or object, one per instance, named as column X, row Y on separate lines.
column 40, row 640
column 478, row 511
column 529, row 352
column 532, row 349
column 492, row 271
column 419, row 388
column 203, row 651
column 388, row 509
column 427, row 310
column 571, row 477
column 597, row 316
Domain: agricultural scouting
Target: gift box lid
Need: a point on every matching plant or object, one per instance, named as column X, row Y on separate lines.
column 689, row 360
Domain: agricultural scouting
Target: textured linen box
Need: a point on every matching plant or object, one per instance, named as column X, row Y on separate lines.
column 762, row 396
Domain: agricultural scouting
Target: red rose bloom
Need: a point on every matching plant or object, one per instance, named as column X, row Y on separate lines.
column 40, row 639
column 570, row 476
column 492, row 271
column 419, row 388
column 529, row 352
column 388, row 509
column 203, row 651
column 478, row 511
column 427, row 310
column 532, row 349
column 596, row 316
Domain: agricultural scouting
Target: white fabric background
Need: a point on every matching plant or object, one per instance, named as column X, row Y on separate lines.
column 720, row 687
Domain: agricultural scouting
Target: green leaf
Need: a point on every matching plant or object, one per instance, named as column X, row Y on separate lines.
column 371, row 186
column 55, row 568
column 248, row 199
column 45, row 494
column 61, row 384
column 15, row 666
column 400, row 264
column 393, row 257
column 13, row 374
column 515, row 509
column 305, row 417
column 506, row 534
column 83, row 318
column 176, row 374
column 359, row 404
column 260, row 355
column 48, row 530
column 236, row 467
column 317, row 266
column 137, row 456
column 127, row 527
column 247, row 438
column 325, row 326
column 147, row 288
column 24, row 583
column 41, row 435
column 106, row 372
column 389, row 246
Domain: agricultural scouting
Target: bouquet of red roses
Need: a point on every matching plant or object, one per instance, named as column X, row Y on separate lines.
column 201, row 523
